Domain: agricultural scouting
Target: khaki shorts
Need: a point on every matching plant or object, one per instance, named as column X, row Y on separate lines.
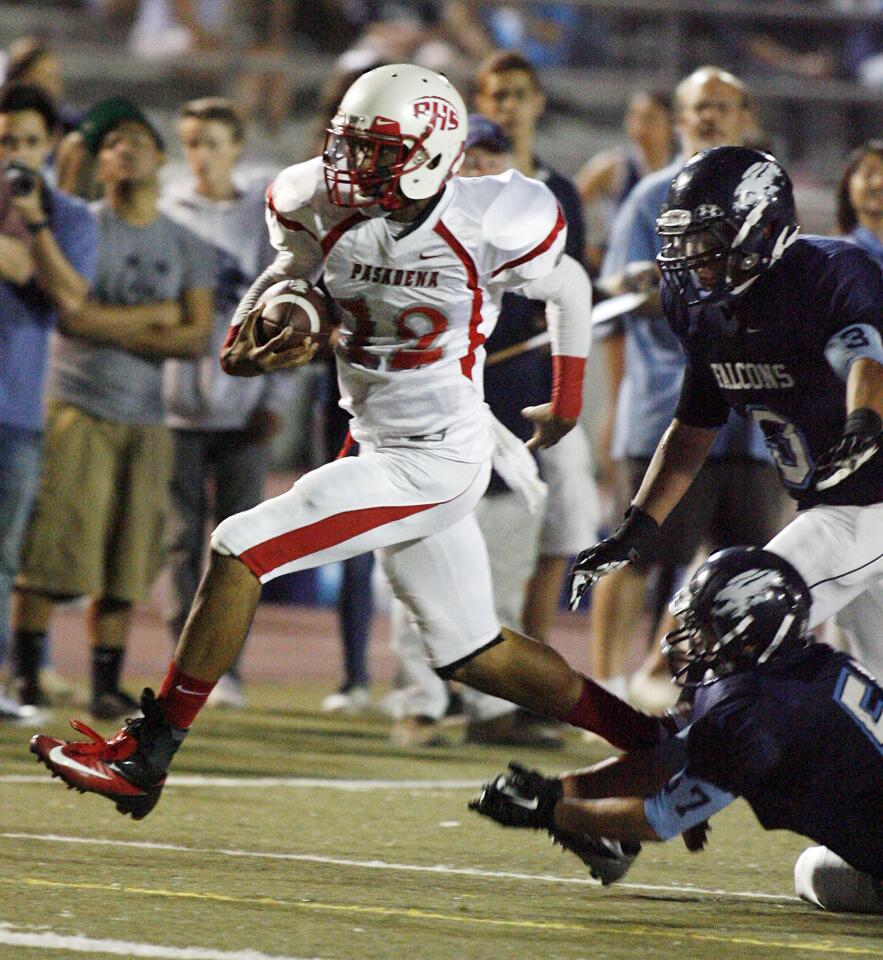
column 98, row 521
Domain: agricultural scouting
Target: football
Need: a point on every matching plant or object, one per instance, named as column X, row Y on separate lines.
column 296, row 304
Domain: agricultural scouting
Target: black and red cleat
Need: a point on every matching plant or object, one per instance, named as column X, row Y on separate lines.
column 129, row 769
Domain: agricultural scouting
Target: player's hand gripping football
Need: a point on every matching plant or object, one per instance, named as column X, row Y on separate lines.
column 633, row 540
column 548, row 428
column 519, row 798
column 245, row 357
column 861, row 440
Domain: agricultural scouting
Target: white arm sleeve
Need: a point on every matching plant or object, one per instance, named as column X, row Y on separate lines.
column 567, row 291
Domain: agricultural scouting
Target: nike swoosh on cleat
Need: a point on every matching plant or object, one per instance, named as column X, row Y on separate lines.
column 193, row 693
column 61, row 759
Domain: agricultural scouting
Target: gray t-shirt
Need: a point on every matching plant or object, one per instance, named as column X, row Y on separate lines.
column 136, row 265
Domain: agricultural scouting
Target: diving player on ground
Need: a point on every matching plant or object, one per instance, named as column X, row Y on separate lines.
column 418, row 262
column 792, row 727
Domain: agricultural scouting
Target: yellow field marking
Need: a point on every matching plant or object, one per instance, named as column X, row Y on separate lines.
column 414, row 913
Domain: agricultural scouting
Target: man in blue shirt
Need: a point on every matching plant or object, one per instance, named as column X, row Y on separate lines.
column 791, row 726
column 63, row 244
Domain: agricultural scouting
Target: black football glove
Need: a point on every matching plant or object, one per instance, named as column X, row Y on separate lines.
column 860, row 441
column 634, row 539
column 519, row 798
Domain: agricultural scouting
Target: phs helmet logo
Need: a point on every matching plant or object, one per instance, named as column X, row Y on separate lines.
column 759, row 182
column 440, row 112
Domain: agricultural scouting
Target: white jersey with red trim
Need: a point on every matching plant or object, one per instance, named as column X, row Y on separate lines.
column 419, row 302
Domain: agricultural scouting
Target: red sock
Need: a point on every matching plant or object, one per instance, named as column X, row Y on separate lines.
column 613, row 719
column 182, row 696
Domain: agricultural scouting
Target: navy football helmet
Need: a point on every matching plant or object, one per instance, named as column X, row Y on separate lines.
column 728, row 217
column 740, row 608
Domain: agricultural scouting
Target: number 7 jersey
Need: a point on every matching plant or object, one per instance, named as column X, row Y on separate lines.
column 418, row 302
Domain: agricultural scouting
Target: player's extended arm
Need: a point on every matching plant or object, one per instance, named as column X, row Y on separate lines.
column 605, row 800
column 677, row 460
column 568, row 290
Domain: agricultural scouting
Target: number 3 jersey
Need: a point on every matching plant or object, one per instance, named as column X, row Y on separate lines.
column 418, row 302
column 783, row 357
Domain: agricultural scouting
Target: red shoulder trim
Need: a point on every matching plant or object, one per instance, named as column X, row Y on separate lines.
column 338, row 230
column 538, row 249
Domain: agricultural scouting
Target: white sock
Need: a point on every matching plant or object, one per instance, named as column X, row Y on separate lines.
column 827, row 881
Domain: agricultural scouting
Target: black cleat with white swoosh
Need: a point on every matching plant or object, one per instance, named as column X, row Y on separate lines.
column 129, row 769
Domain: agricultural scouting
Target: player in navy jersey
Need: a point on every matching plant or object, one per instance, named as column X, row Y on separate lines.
column 786, row 330
column 793, row 727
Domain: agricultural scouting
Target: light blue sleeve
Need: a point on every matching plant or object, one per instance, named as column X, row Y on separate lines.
column 682, row 803
column 850, row 344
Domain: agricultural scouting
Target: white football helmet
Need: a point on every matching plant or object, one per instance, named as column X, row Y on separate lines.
column 398, row 133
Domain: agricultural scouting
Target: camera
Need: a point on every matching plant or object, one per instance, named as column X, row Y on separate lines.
column 21, row 180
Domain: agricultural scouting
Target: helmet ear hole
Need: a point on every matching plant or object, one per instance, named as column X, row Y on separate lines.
column 434, row 162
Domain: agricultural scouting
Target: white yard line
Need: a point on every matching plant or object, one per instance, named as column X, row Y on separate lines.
column 43, row 939
column 439, row 869
column 247, row 783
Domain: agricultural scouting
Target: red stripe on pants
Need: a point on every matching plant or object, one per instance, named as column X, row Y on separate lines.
column 315, row 537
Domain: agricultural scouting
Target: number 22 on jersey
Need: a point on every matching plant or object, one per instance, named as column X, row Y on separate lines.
column 414, row 349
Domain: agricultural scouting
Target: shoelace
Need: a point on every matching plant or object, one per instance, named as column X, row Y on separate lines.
column 119, row 747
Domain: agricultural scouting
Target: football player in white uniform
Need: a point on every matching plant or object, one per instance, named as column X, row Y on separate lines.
column 417, row 261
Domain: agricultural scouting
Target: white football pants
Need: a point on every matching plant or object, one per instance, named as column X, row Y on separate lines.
column 414, row 507
column 839, row 553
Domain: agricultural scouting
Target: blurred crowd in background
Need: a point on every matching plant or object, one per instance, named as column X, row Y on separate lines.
column 204, row 100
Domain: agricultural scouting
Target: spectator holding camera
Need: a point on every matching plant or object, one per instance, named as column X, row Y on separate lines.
column 101, row 504
column 48, row 244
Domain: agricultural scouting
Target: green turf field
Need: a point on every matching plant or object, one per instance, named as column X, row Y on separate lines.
column 300, row 870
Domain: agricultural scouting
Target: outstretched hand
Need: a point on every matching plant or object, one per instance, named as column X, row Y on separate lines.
column 519, row 798
column 634, row 539
column 842, row 460
column 548, row 428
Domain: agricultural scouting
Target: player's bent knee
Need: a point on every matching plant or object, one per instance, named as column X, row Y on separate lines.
column 465, row 669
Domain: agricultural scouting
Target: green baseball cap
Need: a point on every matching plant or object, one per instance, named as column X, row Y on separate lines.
column 107, row 115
